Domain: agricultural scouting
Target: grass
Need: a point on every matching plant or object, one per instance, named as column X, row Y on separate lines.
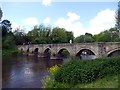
column 106, row 82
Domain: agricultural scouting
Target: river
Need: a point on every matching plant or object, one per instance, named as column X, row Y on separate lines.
column 25, row 71
column 28, row 71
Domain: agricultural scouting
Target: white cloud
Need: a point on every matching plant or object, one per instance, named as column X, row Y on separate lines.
column 73, row 16
column 14, row 26
column 30, row 21
column 104, row 20
column 46, row 2
column 47, row 20
column 72, row 23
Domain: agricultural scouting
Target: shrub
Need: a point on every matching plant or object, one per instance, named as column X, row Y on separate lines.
column 53, row 70
column 77, row 71
column 48, row 83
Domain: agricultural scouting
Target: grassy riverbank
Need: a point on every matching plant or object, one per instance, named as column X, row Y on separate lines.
column 9, row 52
column 98, row 73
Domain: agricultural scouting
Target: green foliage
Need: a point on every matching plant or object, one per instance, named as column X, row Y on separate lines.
column 12, row 52
column 40, row 40
column 77, row 71
column 53, row 70
column 112, row 34
column 110, row 81
column 70, row 36
column 84, row 38
column 1, row 13
column 48, row 83
column 8, row 42
column 51, row 83
column 59, row 35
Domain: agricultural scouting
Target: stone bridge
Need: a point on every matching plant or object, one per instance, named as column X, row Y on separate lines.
column 99, row 49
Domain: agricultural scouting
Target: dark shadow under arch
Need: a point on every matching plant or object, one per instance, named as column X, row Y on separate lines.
column 28, row 50
column 21, row 49
column 86, row 52
column 47, row 52
column 63, row 53
column 115, row 53
column 36, row 50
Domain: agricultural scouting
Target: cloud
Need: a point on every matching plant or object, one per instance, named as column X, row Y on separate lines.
column 15, row 26
column 30, row 21
column 73, row 16
column 104, row 20
column 46, row 2
column 72, row 23
column 47, row 20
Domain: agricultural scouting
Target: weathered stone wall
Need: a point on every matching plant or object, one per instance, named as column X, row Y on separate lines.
column 101, row 49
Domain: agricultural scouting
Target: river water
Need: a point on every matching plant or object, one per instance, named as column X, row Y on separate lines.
column 25, row 71
column 28, row 71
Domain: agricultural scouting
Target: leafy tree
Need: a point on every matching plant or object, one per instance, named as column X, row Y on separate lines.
column 21, row 37
column 110, row 35
column 80, row 39
column 118, row 18
column 59, row 35
column 1, row 13
column 8, row 41
column 6, row 27
column 40, row 40
column 85, row 38
column 70, row 36
column 38, row 33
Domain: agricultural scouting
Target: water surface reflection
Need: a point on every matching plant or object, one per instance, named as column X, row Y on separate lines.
column 25, row 72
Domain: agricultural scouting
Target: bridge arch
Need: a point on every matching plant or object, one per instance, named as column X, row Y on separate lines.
column 28, row 50
column 47, row 52
column 21, row 49
column 36, row 50
column 114, row 52
column 87, row 53
column 63, row 53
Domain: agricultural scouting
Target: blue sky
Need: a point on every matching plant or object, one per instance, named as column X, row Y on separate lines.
column 79, row 17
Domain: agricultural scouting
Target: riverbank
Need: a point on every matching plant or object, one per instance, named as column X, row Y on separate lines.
column 98, row 73
column 8, row 53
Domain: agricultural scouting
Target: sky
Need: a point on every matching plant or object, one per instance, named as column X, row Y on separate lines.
column 78, row 17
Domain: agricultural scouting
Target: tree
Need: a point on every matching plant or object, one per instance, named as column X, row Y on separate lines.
column 6, row 27
column 85, row 38
column 110, row 35
column 40, row 34
column 1, row 13
column 59, row 35
column 21, row 37
column 118, row 18
column 8, row 41
column 70, row 36
column 80, row 39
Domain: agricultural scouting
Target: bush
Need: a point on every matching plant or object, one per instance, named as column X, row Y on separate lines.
column 48, row 83
column 53, row 70
column 77, row 71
